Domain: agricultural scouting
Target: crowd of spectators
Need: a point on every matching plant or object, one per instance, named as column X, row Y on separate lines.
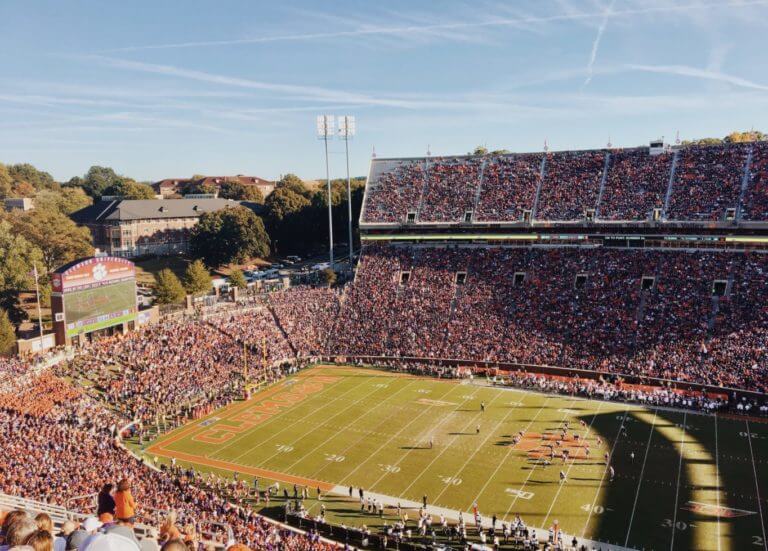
column 707, row 182
column 653, row 313
column 509, row 187
column 571, row 185
column 395, row 193
column 756, row 198
column 636, row 184
column 451, row 189
column 307, row 315
column 164, row 370
column 257, row 329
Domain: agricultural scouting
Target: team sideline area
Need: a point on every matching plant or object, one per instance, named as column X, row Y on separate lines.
column 365, row 448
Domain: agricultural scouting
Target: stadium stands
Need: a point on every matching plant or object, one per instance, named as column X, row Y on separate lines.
column 636, row 185
column 756, row 200
column 707, row 182
column 571, row 185
column 451, row 188
column 657, row 313
column 508, row 188
column 693, row 184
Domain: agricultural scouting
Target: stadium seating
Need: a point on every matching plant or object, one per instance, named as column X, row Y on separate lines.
column 656, row 313
column 706, row 186
column 636, row 185
column 451, row 189
column 508, row 188
column 571, row 185
column 707, row 182
column 756, row 199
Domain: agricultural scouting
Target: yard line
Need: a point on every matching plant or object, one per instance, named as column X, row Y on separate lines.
column 367, row 433
column 425, row 470
column 642, row 471
column 477, row 448
column 533, row 469
column 567, row 472
column 717, row 469
column 374, row 453
column 509, row 452
column 273, row 418
column 610, row 460
column 677, row 490
column 757, row 487
column 313, row 428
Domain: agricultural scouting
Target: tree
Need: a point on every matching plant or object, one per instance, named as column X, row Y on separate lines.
column 237, row 279
column 329, row 276
column 200, row 187
column 289, row 218
column 26, row 180
column 197, row 280
column 168, row 288
column 480, row 150
column 295, row 184
column 283, row 203
column 229, row 235
column 6, row 182
column 240, row 192
column 96, row 180
column 7, row 334
column 130, row 189
column 17, row 257
column 57, row 237
column 65, row 201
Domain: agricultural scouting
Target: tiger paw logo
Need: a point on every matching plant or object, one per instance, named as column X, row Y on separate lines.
column 99, row 272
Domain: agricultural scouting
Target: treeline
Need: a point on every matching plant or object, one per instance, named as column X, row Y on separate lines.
column 733, row 137
column 293, row 220
column 43, row 238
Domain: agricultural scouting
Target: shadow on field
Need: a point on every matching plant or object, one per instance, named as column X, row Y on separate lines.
column 664, row 506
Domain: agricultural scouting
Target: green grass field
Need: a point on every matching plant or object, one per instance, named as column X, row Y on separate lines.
column 695, row 481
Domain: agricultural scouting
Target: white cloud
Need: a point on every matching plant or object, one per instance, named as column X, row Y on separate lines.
column 417, row 31
column 596, row 43
column 706, row 74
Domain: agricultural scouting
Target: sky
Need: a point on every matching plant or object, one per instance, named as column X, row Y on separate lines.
column 166, row 89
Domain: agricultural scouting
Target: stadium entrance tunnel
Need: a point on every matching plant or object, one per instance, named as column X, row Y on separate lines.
column 681, row 481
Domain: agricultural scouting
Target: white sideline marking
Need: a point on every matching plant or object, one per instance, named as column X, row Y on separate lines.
column 640, row 482
column 677, row 490
column 453, row 515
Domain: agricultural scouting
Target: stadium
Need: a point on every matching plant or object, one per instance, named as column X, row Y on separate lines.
column 557, row 350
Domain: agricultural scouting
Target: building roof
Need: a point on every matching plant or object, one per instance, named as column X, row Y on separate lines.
column 148, row 209
column 213, row 180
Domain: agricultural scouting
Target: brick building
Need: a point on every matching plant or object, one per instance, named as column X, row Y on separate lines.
column 178, row 186
column 131, row 228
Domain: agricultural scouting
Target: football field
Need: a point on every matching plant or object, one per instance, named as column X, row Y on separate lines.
column 681, row 480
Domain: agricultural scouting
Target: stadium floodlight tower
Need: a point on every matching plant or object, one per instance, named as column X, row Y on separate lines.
column 325, row 124
column 346, row 131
